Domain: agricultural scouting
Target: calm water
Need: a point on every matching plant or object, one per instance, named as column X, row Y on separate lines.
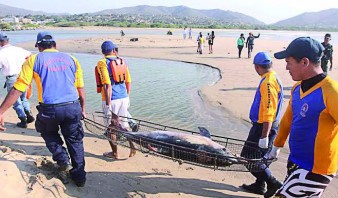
column 165, row 92
column 24, row 36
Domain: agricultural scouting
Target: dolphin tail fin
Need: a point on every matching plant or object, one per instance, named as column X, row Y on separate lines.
column 204, row 132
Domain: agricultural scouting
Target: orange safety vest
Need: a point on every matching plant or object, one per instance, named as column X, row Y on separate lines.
column 117, row 72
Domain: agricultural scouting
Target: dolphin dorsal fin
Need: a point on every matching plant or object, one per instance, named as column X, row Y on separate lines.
column 204, row 132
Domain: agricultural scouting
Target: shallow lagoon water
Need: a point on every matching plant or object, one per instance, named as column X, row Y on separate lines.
column 165, row 92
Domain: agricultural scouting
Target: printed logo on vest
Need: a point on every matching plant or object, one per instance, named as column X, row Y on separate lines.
column 304, row 109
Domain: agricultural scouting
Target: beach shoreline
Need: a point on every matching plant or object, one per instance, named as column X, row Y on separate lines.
column 234, row 92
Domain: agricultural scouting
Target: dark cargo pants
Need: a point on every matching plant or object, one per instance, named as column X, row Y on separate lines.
column 68, row 118
column 251, row 150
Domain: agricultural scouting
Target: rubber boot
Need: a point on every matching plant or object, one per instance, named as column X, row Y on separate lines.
column 272, row 185
column 23, row 123
column 257, row 188
column 30, row 117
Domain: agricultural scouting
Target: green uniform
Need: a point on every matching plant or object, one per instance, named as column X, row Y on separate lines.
column 327, row 56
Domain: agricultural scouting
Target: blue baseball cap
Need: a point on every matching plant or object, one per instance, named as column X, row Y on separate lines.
column 107, row 47
column 3, row 37
column 44, row 37
column 303, row 47
column 262, row 58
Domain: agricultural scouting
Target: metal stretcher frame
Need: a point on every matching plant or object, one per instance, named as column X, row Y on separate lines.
column 253, row 163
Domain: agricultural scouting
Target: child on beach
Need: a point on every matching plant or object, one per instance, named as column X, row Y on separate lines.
column 200, row 42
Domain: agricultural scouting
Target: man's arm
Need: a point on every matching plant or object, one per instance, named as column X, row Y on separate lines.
column 269, row 106
column 10, row 99
column 257, row 35
column 108, row 93
column 266, row 129
column 82, row 100
column 331, row 63
column 105, row 80
column 284, row 127
column 128, row 82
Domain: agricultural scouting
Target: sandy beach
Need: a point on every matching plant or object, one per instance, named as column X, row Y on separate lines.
column 26, row 165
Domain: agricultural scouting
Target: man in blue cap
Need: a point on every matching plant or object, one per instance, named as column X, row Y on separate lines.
column 115, row 78
column 264, row 115
column 11, row 60
column 59, row 81
column 310, row 121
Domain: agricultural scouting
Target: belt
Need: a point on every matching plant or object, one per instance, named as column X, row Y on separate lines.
column 59, row 104
column 274, row 123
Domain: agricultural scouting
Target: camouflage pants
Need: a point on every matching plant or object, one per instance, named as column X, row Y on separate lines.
column 324, row 65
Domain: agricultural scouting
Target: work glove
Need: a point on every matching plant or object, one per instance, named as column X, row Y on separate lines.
column 263, row 143
column 107, row 111
column 273, row 154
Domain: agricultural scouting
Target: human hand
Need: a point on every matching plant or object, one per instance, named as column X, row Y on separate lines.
column 2, row 123
column 107, row 111
column 273, row 154
column 84, row 114
column 263, row 143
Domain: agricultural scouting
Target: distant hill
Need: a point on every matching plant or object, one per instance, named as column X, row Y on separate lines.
column 9, row 10
column 322, row 19
column 183, row 11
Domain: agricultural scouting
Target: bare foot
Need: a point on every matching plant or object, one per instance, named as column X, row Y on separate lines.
column 110, row 155
column 132, row 153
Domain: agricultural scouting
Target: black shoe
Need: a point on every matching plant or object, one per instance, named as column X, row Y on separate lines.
column 80, row 184
column 30, row 117
column 65, row 167
column 63, row 172
column 23, row 123
column 272, row 185
column 256, row 188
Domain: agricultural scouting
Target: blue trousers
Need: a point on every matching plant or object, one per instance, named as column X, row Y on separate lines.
column 68, row 118
column 251, row 150
column 22, row 104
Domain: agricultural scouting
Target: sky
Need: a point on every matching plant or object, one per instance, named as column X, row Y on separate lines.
column 268, row 11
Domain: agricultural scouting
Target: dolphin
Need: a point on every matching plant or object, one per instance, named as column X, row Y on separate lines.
column 189, row 147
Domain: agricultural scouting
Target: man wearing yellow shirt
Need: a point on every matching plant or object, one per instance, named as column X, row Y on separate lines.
column 310, row 122
column 59, row 81
column 115, row 92
column 264, row 115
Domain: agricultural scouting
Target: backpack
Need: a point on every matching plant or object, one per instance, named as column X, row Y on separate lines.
column 117, row 72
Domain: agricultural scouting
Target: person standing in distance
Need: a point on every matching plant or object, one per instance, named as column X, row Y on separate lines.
column 265, row 114
column 240, row 44
column 250, row 43
column 328, row 52
column 11, row 60
column 310, row 122
column 61, row 96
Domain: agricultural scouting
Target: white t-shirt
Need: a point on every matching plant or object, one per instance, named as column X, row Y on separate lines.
column 11, row 59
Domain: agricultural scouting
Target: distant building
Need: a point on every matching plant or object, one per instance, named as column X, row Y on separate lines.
column 10, row 20
column 25, row 20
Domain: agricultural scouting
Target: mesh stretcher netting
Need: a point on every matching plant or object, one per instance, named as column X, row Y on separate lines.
column 252, row 161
